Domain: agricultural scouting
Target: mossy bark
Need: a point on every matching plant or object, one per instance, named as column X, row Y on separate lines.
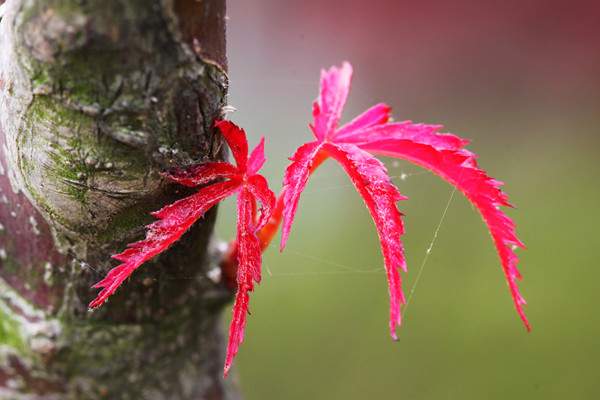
column 96, row 98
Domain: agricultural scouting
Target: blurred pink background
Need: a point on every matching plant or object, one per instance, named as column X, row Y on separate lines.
column 521, row 79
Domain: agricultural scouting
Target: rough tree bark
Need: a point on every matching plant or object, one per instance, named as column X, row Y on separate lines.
column 96, row 98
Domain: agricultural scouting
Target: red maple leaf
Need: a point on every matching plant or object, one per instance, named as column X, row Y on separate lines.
column 222, row 180
column 353, row 144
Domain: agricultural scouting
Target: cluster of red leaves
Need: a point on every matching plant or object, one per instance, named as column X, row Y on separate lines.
column 218, row 180
column 353, row 146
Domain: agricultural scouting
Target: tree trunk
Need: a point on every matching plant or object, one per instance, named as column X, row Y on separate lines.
column 96, row 98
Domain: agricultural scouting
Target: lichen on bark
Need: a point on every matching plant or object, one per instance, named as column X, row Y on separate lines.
column 96, row 99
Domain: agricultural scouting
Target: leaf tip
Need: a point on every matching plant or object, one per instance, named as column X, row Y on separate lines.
column 283, row 241
column 524, row 318
column 97, row 302
column 226, row 370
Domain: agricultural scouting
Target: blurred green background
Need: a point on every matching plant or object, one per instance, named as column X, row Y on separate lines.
column 519, row 79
